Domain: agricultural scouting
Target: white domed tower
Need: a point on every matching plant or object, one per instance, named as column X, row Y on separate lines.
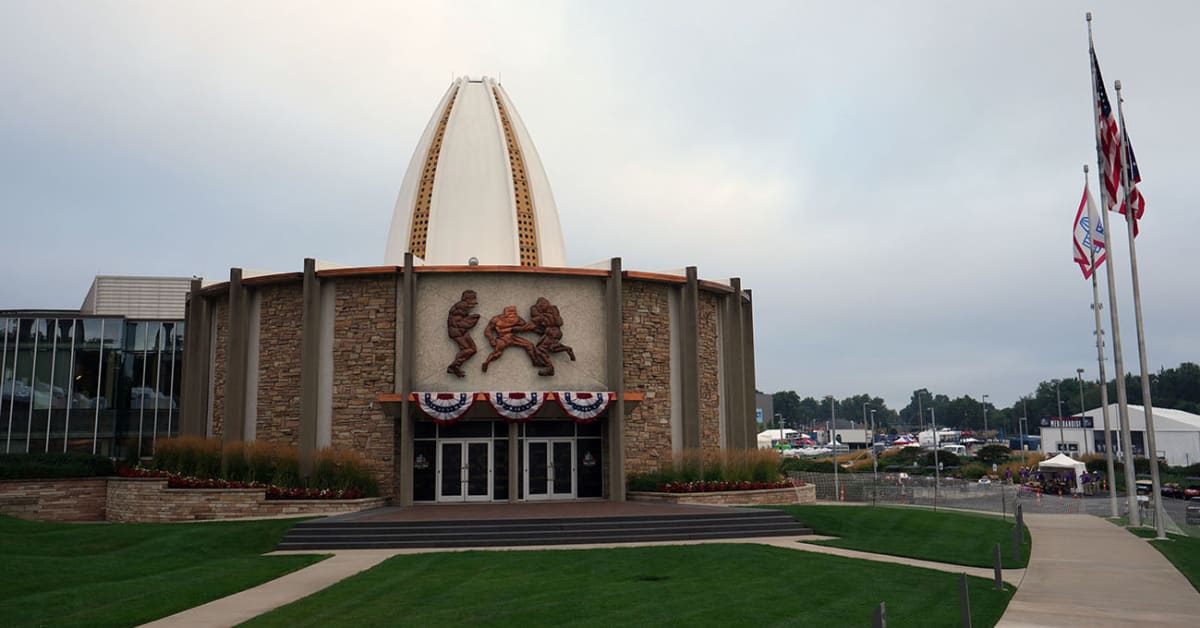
column 476, row 188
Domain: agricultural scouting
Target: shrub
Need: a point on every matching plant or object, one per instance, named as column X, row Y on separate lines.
column 233, row 462
column 730, row 466
column 994, row 454
column 189, row 455
column 342, row 470
column 53, row 465
column 802, row 464
column 947, row 459
column 973, row 471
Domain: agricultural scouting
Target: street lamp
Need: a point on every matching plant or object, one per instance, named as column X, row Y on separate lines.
column 937, row 471
column 874, row 454
column 833, row 424
column 1058, row 395
column 985, row 415
column 1024, row 425
column 1082, row 429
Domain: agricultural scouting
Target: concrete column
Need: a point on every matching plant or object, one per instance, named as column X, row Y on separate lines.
column 737, row 370
column 310, row 364
column 750, row 430
column 614, row 332
column 689, row 360
column 193, row 411
column 514, row 468
column 403, row 382
column 234, row 420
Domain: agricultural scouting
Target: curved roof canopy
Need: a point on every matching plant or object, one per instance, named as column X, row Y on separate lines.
column 476, row 188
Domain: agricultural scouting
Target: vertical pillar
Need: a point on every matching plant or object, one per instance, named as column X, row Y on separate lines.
column 234, row 420
column 310, row 365
column 750, row 427
column 614, row 333
column 689, row 360
column 737, row 369
column 403, row 382
column 193, row 403
column 515, row 473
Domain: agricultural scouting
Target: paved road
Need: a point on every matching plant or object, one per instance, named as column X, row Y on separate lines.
column 1086, row 571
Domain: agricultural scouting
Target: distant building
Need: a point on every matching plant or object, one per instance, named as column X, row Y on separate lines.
column 764, row 409
column 103, row 379
column 1177, row 433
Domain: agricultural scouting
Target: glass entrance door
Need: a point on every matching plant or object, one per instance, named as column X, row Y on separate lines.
column 550, row 469
column 464, row 470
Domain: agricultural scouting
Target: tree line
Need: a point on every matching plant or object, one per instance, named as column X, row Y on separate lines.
column 1176, row 388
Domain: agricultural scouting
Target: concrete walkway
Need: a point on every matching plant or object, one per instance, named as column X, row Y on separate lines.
column 1086, row 571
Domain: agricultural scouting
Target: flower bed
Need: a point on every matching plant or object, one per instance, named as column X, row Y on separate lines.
column 176, row 480
column 719, row 486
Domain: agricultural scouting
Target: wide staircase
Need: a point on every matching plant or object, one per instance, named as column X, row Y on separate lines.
column 339, row 533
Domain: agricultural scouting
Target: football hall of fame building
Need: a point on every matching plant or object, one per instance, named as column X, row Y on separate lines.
column 475, row 365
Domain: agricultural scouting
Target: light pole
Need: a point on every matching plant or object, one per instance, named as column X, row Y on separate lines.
column 874, row 454
column 1024, row 425
column 1058, row 395
column 985, row 416
column 1082, row 408
column 864, row 415
column 833, row 424
column 937, row 470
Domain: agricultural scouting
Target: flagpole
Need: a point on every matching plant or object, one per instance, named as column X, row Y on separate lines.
column 1147, row 405
column 1096, row 306
column 1135, row 518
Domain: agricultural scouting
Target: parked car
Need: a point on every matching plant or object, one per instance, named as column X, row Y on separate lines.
column 1173, row 489
column 1192, row 491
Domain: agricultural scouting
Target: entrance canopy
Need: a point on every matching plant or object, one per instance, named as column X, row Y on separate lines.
column 1062, row 462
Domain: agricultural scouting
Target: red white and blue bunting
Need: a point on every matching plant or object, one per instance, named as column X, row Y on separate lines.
column 443, row 407
column 583, row 407
column 516, row 406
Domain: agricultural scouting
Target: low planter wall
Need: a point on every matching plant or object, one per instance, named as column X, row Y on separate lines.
column 149, row 499
column 766, row 497
column 72, row 499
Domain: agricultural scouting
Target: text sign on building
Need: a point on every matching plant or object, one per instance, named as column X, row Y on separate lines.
column 1067, row 422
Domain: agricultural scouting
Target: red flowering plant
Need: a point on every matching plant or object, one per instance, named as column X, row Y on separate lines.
column 716, row 486
column 180, row 481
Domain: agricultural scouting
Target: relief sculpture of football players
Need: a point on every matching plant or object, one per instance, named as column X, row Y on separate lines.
column 501, row 333
column 459, row 323
column 548, row 322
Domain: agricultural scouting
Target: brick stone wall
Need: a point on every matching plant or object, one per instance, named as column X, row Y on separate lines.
column 149, row 500
column 710, row 383
column 364, row 354
column 646, row 324
column 773, row 496
column 221, row 313
column 81, row 499
column 280, row 316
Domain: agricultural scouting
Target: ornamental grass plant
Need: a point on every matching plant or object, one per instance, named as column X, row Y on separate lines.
column 735, row 467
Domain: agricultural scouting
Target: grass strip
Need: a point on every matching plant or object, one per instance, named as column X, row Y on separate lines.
column 942, row 536
column 1182, row 551
column 124, row 574
column 695, row 585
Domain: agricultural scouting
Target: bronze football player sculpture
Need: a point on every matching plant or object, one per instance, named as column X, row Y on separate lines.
column 501, row 333
column 459, row 323
column 548, row 322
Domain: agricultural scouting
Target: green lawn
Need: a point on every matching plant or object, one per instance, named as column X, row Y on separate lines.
column 1182, row 551
column 696, row 585
column 946, row 537
column 123, row 574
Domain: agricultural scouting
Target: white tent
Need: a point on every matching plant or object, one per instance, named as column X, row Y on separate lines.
column 1062, row 462
column 766, row 436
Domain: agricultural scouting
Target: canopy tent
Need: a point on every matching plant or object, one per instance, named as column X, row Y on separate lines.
column 766, row 436
column 1063, row 462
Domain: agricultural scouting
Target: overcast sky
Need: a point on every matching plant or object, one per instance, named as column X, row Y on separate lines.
column 894, row 181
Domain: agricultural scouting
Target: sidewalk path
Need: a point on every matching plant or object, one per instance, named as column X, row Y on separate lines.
column 1087, row 571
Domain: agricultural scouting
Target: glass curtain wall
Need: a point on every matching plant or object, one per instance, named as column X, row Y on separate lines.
column 98, row 385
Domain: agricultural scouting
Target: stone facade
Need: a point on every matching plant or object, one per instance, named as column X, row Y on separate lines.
column 280, row 335
column 646, row 324
column 221, row 338
column 149, row 500
column 54, row 500
column 710, row 382
column 364, row 357
column 767, row 497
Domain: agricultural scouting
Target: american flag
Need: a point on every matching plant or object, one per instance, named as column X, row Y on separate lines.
column 1135, row 177
column 1109, row 138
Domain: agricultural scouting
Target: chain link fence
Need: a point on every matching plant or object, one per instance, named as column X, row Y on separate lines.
column 998, row 497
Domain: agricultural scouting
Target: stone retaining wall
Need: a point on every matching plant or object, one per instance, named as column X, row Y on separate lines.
column 149, row 499
column 78, row 499
column 766, row 497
